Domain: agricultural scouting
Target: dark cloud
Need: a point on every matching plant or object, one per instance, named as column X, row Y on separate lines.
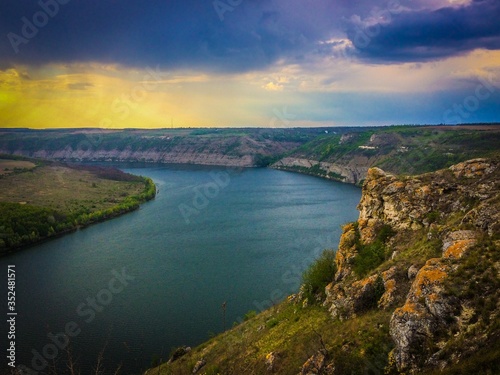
column 251, row 35
column 428, row 35
column 172, row 34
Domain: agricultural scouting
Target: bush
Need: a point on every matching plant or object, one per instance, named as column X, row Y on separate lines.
column 372, row 255
column 261, row 160
column 272, row 323
column 319, row 275
column 369, row 257
column 249, row 315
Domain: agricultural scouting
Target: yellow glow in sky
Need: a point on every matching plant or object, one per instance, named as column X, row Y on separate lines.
column 111, row 96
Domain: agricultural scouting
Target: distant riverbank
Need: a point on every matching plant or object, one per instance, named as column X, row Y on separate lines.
column 41, row 200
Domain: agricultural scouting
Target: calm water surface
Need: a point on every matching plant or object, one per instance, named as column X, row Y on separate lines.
column 211, row 236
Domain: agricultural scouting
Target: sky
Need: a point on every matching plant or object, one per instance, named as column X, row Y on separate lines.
column 238, row 63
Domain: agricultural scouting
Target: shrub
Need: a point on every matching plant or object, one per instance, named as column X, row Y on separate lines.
column 272, row 323
column 433, row 217
column 372, row 255
column 249, row 315
column 319, row 275
column 369, row 257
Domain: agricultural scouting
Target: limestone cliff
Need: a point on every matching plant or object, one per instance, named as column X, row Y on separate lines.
column 177, row 156
column 414, row 202
column 225, row 147
column 440, row 225
column 353, row 172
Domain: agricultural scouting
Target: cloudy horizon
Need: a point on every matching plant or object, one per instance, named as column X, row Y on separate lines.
column 234, row 63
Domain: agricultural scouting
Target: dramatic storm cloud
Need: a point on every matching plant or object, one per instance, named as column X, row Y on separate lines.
column 429, row 34
column 238, row 62
column 195, row 34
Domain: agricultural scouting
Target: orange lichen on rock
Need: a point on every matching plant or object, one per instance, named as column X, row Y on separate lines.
column 348, row 236
column 362, row 222
column 364, row 282
column 434, row 297
column 375, row 173
column 458, row 249
column 394, row 187
column 369, row 232
column 409, row 307
column 433, row 272
column 471, row 168
column 390, row 286
column 423, row 191
column 346, row 250
column 388, row 297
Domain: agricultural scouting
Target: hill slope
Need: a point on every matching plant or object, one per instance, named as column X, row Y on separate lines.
column 415, row 288
column 347, row 155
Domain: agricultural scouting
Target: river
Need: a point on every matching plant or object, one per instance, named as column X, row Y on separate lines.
column 154, row 279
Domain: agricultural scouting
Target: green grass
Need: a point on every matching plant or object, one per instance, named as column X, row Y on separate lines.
column 52, row 198
column 426, row 148
column 295, row 333
column 66, row 189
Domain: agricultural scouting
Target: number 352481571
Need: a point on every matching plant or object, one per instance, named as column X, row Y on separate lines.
column 11, row 286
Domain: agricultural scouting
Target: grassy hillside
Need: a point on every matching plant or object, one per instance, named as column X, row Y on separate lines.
column 40, row 199
column 401, row 149
column 248, row 147
column 281, row 339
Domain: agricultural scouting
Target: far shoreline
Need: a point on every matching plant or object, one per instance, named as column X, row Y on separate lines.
column 80, row 197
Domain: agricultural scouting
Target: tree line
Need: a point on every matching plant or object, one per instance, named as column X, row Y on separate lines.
column 24, row 224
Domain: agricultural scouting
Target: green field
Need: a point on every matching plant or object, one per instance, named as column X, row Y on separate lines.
column 53, row 198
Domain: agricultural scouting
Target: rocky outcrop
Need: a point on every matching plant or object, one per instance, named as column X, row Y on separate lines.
column 347, row 300
column 458, row 242
column 459, row 206
column 416, row 202
column 199, row 365
column 346, row 252
column 395, row 287
column 422, row 326
column 353, row 174
column 428, row 311
column 318, row 364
